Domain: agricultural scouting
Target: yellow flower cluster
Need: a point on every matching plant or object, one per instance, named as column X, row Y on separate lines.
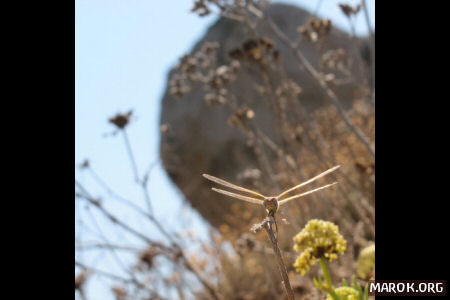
column 366, row 262
column 345, row 293
column 318, row 239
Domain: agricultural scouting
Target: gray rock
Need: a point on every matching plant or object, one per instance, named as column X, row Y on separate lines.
column 197, row 138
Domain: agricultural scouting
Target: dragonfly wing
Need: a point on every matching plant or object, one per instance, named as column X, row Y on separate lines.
column 309, row 181
column 305, row 193
column 237, row 196
column 230, row 185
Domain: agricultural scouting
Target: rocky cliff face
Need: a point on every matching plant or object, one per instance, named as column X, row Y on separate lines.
column 195, row 135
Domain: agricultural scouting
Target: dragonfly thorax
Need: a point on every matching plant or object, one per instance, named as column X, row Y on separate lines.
column 271, row 205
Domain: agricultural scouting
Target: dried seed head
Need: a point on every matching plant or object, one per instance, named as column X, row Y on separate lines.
column 266, row 42
column 178, row 86
column 349, row 10
column 241, row 117
column 146, row 258
column 121, row 120
column 315, row 29
column 201, row 8
column 335, row 59
column 303, row 30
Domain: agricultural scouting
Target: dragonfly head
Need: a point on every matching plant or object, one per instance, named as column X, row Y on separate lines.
column 271, row 205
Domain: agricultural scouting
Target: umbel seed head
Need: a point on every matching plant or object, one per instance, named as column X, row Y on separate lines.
column 319, row 239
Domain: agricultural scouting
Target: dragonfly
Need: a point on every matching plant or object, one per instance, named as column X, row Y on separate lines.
column 270, row 203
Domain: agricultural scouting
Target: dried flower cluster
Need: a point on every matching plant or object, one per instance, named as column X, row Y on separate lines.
column 178, row 86
column 241, row 117
column 121, row 119
column 316, row 29
column 190, row 69
column 201, row 8
column 146, row 258
column 230, row 9
column 201, row 68
column 255, row 50
column 318, row 239
column 218, row 82
column 335, row 60
column 349, row 10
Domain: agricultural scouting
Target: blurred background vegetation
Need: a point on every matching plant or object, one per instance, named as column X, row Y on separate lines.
column 268, row 96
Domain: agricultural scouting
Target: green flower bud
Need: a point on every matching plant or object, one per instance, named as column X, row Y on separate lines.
column 366, row 262
column 345, row 293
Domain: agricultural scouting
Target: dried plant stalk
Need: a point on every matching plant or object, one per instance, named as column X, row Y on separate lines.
column 267, row 225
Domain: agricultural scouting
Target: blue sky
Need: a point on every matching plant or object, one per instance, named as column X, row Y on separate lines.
column 123, row 52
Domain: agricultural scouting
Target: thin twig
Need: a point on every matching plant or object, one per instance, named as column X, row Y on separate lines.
column 267, row 225
column 280, row 262
column 175, row 247
column 105, row 245
column 85, row 195
column 142, row 183
column 130, row 154
column 366, row 15
column 112, row 276
column 131, row 204
column 268, row 272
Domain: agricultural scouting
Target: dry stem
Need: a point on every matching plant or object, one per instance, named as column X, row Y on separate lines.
column 267, row 225
column 166, row 249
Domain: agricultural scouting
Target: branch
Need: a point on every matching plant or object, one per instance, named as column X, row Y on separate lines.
column 114, row 219
column 143, row 183
column 105, row 245
column 130, row 153
column 267, row 225
column 110, row 275
column 176, row 246
column 131, row 204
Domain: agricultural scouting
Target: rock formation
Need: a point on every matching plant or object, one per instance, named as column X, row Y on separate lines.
column 195, row 136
